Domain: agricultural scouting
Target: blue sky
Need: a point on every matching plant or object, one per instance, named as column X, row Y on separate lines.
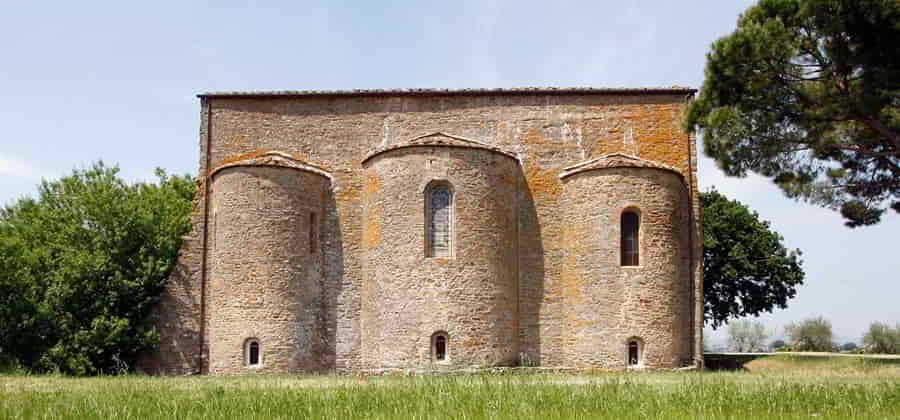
column 115, row 80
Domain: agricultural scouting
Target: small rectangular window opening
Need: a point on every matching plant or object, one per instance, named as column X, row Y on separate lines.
column 440, row 348
column 633, row 357
column 253, row 357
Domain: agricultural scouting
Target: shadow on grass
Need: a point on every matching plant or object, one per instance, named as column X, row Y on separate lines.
column 738, row 361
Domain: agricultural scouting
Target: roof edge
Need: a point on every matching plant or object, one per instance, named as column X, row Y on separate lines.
column 674, row 90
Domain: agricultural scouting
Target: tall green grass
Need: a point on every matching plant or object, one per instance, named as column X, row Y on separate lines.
column 783, row 389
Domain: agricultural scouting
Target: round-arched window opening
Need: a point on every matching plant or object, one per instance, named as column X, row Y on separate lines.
column 439, row 346
column 439, row 220
column 252, row 353
column 630, row 238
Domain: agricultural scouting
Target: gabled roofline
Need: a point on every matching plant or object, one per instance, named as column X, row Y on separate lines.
column 674, row 90
column 615, row 160
column 455, row 141
column 272, row 158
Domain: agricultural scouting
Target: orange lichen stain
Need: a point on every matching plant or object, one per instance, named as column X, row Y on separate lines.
column 371, row 235
column 570, row 281
column 372, row 228
column 533, row 136
column 652, row 131
column 660, row 137
column 347, row 193
column 372, row 185
column 543, row 182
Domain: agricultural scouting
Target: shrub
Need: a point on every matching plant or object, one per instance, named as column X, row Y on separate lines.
column 777, row 345
column 812, row 334
column 848, row 347
column 746, row 336
column 882, row 339
column 82, row 265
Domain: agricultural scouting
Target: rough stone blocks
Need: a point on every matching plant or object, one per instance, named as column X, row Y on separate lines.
column 309, row 233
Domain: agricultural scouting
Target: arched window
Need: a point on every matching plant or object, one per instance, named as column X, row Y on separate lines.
column 634, row 353
column 631, row 225
column 439, row 346
column 439, row 220
column 252, row 355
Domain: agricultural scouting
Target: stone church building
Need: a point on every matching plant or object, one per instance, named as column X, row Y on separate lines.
column 437, row 230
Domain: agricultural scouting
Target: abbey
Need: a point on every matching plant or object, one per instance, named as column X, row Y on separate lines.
column 436, row 230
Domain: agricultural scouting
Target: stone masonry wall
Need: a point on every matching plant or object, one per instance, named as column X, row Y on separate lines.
column 548, row 132
column 264, row 276
column 471, row 295
column 610, row 303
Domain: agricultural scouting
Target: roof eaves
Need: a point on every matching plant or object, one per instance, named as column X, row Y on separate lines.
column 453, row 92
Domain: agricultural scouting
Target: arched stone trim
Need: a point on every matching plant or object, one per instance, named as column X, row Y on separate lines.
column 433, row 232
column 439, row 139
column 615, row 160
column 440, row 347
column 272, row 158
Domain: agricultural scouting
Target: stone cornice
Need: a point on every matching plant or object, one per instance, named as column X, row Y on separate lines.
column 614, row 160
column 440, row 139
column 272, row 158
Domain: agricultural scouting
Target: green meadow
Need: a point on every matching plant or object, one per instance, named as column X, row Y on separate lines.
column 773, row 387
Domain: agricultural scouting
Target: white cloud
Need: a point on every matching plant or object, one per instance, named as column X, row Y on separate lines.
column 16, row 167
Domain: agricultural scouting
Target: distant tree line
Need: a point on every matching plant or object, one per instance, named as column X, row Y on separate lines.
column 811, row 334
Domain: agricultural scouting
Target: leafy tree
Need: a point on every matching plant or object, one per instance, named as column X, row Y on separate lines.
column 746, row 268
column 807, row 92
column 812, row 334
column 746, row 336
column 849, row 346
column 882, row 339
column 81, row 266
column 777, row 344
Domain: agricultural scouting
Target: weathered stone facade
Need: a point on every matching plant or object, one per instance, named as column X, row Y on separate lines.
column 310, row 226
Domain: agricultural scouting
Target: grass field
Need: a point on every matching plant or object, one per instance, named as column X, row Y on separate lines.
column 775, row 387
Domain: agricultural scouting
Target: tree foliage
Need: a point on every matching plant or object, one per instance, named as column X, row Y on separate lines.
column 777, row 344
column 746, row 268
column 807, row 92
column 82, row 264
column 746, row 336
column 849, row 346
column 812, row 334
column 881, row 338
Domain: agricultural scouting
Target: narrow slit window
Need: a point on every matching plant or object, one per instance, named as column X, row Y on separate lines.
column 630, row 238
column 439, row 207
column 253, row 353
column 634, row 356
column 439, row 344
column 313, row 233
